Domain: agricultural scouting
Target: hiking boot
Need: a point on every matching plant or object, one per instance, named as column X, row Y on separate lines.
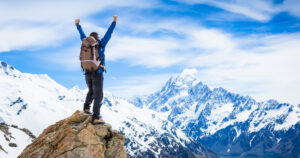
column 97, row 121
column 87, row 111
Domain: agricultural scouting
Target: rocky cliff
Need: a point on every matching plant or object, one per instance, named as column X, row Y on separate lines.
column 75, row 136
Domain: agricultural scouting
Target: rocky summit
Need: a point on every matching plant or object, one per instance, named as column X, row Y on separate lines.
column 77, row 137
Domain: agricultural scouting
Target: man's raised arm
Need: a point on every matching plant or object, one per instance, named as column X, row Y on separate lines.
column 108, row 33
column 82, row 35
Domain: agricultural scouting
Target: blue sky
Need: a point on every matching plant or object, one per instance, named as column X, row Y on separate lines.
column 248, row 47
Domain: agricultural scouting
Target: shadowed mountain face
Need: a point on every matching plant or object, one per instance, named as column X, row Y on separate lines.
column 229, row 124
column 75, row 136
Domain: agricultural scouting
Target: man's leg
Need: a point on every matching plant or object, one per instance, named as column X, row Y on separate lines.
column 98, row 93
column 89, row 96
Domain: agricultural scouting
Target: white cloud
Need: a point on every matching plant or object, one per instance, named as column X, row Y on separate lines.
column 149, row 52
column 168, row 50
column 267, row 71
column 56, row 11
column 291, row 6
column 67, row 59
column 133, row 86
column 33, row 23
column 24, row 37
column 261, row 10
column 263, row 66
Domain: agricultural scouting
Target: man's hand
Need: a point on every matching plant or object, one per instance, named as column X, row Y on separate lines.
column 77, row 21
column 115, row 18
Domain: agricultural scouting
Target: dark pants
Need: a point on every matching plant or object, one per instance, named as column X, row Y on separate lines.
column 94, row 82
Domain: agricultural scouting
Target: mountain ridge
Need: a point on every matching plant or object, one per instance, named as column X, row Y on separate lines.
column 204, row 113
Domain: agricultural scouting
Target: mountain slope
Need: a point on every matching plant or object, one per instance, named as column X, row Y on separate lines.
column 229, row 124
column 36, row 101
column 13, row 139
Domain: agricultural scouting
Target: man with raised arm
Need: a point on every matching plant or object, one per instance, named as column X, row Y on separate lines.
column 94, row 78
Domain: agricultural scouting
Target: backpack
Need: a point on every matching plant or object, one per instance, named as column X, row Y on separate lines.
column 89, row 55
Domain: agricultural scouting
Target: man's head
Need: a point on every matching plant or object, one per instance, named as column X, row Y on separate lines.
column 95, row 35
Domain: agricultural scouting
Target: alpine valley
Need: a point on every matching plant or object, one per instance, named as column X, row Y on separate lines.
column 184, row 119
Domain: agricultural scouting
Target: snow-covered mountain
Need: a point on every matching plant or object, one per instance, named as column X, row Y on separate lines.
column 33, row 101
column 174, row 121
column 36, row 101
column 229, row 124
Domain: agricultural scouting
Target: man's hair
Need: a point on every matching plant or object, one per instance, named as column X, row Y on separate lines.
column 94, row 34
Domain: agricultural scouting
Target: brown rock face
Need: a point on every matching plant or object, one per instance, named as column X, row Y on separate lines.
column 76, row 137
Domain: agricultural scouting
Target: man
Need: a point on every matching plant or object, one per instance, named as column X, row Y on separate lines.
column 94, row 80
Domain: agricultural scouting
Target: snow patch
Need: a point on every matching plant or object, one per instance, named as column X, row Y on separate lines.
column 238, row 133
column 218, row 113
column 292, row 119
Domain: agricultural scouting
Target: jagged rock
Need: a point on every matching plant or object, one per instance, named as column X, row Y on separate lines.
column 12, row 144
column 77, row 137
column 14, row 126
column 4, row 128
column 27, row 131
column 1, row 148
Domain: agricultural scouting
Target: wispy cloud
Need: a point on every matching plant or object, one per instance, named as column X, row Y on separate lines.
column 149, row 52
column 31, row 37
column 42, row 23
column 265, row 66
column 67, row 59
column 138, row 85
column 291, row 6
column 260, row 10
column 266, row 71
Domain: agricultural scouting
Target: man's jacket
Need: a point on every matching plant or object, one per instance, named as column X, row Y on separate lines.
column 103, row 42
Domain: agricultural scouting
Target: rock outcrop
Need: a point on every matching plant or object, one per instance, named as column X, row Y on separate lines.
column 77, row 137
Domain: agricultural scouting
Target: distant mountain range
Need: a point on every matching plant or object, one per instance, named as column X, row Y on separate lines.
column 36, row 101
column 229, row 124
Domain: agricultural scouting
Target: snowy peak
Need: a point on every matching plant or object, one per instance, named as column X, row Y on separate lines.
column 75, row 89
column 188, row 77
column 188, row 74
column 181, row 86
column 8, row 70
column 4, row 66
column 13, row 77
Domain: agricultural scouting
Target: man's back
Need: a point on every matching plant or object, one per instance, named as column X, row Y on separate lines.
column 103, row 42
